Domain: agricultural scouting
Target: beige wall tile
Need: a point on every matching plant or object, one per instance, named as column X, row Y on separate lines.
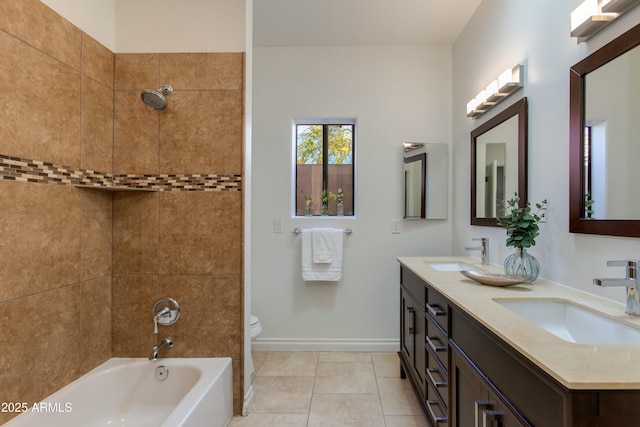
column 210, row 323
column 97, row 126
column 135, row 135
column 39, row 340
column 37, row 24
column 75, row 254
column 135, row 233
column 238, row 384
column 97, row 61
column 39, row 105
column 200, row 232
column 95, row 323
column 136, row 71
column 201, row 132
column 202, row 71
column 133, row 300
column 97, row 229
column 42, row 251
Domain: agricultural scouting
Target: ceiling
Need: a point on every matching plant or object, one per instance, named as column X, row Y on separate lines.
column 359, row 22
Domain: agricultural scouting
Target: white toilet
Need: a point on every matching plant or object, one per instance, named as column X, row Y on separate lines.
column 256, row 327
column 256, row 330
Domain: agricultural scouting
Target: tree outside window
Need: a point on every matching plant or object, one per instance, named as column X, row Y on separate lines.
column 324, row 167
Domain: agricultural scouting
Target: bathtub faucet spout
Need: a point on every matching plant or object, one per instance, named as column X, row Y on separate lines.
column 166, row 342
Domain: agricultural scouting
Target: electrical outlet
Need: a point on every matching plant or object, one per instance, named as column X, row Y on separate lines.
column 277, row 225
column 395, row 226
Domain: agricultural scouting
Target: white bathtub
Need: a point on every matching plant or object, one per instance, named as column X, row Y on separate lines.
column 125, row 392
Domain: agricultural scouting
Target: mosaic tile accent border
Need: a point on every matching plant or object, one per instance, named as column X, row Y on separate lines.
column 36, row 171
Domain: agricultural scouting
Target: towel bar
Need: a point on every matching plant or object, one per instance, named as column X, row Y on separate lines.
column 347, row 231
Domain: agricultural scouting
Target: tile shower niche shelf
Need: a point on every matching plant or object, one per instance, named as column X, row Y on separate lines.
column 94, row 187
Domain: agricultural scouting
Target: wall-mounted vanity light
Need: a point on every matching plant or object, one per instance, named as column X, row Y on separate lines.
column 508, row 82
column 593, row 15
column 618, row 6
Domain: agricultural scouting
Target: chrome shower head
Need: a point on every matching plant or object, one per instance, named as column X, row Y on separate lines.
column 155, row 99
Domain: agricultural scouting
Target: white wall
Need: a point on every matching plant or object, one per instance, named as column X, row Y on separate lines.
column 503, row 33
column 94, row 17
column 396, row 94
column 145, row 26
column 179, row 26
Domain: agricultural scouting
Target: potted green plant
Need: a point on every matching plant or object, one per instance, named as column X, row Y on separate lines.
column 325, row 196
column 522, row 225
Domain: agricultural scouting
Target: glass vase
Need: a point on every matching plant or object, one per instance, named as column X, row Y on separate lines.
column 522, row 264
column 324, row 210
column 340, row 209
column 308, row 210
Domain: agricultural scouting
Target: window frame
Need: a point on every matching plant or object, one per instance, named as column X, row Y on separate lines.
column 295, row 122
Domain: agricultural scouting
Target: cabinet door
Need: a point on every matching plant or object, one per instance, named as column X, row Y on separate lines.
column 469, row 395
column 475, row 404
column 413, row 339
column 407, row 325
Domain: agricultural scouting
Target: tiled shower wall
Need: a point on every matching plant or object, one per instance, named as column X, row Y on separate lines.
column 183, row 244
column 81, row 269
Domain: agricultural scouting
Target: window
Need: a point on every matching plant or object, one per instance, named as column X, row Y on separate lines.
column 324, row 167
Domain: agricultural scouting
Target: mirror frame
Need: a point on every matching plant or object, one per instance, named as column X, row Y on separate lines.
column 519, row 109
column 577, row 73
column 422, row 158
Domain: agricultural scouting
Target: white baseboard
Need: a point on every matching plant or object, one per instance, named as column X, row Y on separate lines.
column 320, row 344
column 248, row 401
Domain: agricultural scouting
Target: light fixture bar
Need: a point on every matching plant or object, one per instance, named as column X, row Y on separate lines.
column 593, row 15
column 618, row 6
column 507, row 82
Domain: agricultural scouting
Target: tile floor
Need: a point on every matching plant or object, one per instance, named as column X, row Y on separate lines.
column 330, row 389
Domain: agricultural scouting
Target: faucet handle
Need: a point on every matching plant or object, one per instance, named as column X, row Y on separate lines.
column 631, row 263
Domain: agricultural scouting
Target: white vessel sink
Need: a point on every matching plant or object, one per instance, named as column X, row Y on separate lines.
column 571, row 322
column 450, row 266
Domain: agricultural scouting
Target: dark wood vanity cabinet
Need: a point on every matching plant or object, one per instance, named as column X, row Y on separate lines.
column 466, row 376
column 424, row 348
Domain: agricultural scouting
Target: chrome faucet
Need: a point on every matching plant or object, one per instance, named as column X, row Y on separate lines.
column 483, row 248
column 166, row 342
column 632, row 282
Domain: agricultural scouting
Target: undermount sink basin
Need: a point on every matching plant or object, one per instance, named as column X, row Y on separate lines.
column 571, row 322
column 450, row 266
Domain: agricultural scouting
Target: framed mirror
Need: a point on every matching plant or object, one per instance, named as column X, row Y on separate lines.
column 604, row 196
column 426, row 180
column 498, row 164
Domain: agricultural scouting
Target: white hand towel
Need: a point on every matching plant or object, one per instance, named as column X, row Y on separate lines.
column 332, row 271
column 324, row 242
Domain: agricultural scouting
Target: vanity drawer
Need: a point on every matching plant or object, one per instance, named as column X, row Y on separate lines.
column 414, row 285
column 437, row 377
column 436, row 342
column 438, row 308
column 436, row 409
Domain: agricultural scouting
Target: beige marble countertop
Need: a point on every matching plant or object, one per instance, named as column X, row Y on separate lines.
column 576, row 366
